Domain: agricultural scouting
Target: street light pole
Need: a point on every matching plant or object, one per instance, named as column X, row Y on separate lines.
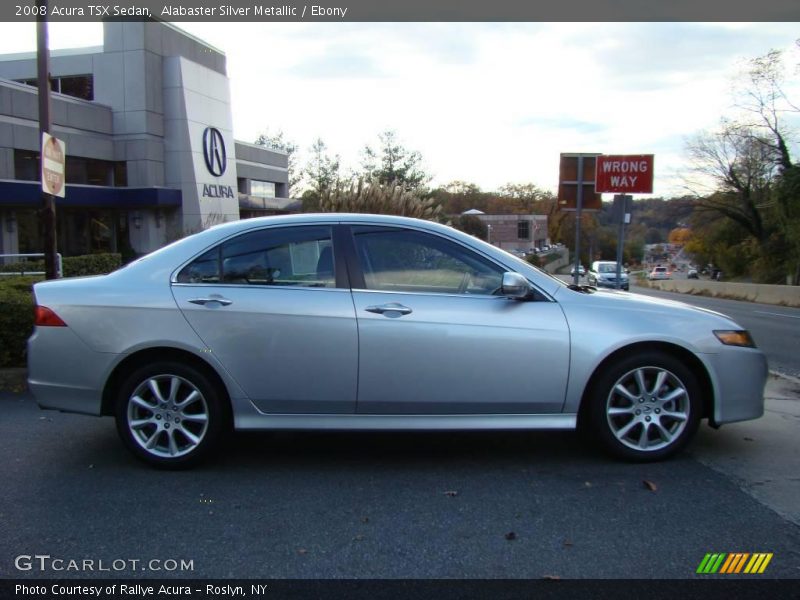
column 48, row 210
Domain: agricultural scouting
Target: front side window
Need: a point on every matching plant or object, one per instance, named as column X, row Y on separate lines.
column 292, row 256
column 404, row 260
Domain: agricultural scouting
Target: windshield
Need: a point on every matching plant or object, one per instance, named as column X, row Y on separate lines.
column 607, row 268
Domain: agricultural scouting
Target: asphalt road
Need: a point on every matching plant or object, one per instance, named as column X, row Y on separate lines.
column 324, row 505
column 775, row 329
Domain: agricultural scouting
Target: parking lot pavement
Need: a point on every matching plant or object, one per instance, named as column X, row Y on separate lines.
column 400, row 505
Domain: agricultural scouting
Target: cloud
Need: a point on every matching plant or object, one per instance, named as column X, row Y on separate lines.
column 336, row 63
column 561, row 123
column 644, row 56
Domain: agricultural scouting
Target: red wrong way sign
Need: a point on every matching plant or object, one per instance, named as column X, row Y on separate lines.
column 624, row 174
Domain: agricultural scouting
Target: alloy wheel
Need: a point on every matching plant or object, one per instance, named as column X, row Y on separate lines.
column 167, row 416
column 648, row 408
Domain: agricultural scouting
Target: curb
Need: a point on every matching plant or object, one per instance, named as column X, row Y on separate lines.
column 789, row 378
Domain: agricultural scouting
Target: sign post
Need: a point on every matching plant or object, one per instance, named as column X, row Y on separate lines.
column 49, row 173
column 576, row 192
column 622, row 215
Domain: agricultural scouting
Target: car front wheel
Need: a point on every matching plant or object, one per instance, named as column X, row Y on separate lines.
column 645, row 407
column 169, row 415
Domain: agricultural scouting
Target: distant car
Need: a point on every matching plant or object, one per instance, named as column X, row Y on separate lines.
column 603, row 273
column 659, row 273
column 692, row 274
column 372, row 322
column 581, row 271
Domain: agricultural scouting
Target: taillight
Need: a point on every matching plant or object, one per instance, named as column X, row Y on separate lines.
column 44, row 317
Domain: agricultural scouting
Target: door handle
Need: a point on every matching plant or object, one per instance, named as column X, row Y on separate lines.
column 204, row 301
column 392, row 307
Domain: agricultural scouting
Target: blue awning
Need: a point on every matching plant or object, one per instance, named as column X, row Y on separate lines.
column 28, row 194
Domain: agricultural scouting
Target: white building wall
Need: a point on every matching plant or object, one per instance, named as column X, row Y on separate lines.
column 195, row 98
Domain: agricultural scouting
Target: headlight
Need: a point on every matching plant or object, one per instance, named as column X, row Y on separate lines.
column 740, row 337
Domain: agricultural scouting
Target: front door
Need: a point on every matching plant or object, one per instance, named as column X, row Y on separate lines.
column 437, row 338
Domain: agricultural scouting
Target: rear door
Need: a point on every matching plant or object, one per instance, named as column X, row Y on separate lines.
column 274, row 306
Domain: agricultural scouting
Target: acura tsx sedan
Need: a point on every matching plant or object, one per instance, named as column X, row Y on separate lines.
column 365, row 322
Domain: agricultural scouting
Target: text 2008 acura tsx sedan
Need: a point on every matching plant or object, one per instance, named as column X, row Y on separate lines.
column 364, row 322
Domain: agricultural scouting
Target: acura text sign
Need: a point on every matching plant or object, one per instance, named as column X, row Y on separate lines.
column 624, row 174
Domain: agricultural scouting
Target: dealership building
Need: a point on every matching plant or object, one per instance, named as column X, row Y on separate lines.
column 151, row 157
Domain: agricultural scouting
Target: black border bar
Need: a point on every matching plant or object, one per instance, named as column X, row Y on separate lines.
column 412, row 589
column 410, row 10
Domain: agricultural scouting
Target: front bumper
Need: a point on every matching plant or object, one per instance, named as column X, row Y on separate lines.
column 740, row 376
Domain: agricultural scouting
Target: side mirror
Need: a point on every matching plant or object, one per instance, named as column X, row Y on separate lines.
column 515, row 286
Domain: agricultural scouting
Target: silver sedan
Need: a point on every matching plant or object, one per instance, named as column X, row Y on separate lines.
column 364, row 322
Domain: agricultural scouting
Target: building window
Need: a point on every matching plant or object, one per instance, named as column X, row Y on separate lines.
column 262, row 189
column 77, row 86
column 87, row 171
column 524, row 230
column 120, row 173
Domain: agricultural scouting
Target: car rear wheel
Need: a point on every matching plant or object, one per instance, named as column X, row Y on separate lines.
column 645, row 407
column 169, row 415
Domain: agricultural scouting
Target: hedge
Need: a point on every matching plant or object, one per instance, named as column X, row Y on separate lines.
column 16, row 319
column 74, row 266
column 16, row 300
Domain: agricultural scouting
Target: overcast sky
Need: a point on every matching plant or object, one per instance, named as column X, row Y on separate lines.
column 483, row 103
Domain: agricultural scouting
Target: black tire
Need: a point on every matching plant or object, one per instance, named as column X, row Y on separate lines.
column 649, row 425
column 177, row 428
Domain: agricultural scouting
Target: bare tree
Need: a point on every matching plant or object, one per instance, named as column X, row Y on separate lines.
column 741, row 168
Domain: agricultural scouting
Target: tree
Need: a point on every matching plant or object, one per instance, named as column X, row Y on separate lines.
column 742, row 169
column 472, row 225
column 755, row 181
column 680, row 235
column 392, row 163
column 322, row 171
column 280, row 142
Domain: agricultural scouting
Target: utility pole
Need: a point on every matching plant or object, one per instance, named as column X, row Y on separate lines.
column 578, row 210
column 48, row 210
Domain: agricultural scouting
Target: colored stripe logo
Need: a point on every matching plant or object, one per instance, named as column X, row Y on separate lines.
column 729, row 563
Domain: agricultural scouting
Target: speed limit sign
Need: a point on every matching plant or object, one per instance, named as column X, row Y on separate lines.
column 53, row 159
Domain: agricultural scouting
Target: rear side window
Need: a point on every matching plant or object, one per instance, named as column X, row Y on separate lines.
column 290, row 256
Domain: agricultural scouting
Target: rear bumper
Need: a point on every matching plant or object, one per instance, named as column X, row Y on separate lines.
column 63, row 373
column 741, row 374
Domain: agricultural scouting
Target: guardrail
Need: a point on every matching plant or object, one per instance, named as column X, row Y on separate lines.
column 781, row 295
column 59, row 265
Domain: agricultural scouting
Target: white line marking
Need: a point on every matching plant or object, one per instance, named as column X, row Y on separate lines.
column 761, row 312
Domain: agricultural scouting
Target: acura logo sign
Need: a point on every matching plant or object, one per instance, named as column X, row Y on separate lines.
column 214, row 151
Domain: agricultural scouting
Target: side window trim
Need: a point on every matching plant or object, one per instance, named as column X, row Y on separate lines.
column 342, row 279
column 358, row 280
